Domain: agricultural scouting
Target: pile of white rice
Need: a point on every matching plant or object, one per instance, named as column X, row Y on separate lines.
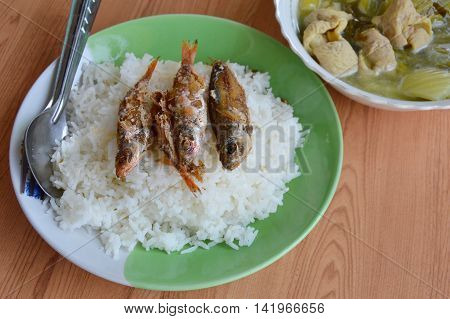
column 154, row 206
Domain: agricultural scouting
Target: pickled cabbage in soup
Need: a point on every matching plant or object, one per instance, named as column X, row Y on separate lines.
column 394, row 48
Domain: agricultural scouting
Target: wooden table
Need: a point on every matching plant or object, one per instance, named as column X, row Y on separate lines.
column 386, row 234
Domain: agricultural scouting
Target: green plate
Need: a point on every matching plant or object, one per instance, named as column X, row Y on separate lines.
column 320, row 159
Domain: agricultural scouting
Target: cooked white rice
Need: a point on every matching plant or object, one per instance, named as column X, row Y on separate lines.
column 153, row 206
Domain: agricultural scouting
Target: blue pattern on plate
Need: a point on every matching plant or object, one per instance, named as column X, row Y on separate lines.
column 30, row 186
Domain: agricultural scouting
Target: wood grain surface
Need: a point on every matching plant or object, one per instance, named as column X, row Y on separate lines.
column 385, row 235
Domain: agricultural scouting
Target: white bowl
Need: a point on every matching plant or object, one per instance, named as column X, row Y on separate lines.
column 287, row 16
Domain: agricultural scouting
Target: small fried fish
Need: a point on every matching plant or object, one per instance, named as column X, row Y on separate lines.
column 188, row 107
column 134, row 134
column 229, row 115
column 164, row 137
column 181, row 119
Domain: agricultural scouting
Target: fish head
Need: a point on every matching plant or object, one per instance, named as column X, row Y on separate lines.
column 235, row 147
column 128, row 158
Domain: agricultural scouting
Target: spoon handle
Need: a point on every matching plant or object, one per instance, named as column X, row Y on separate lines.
column 81, row 19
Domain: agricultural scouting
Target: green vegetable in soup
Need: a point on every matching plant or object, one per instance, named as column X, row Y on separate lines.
column 308, row 6
column 423, row 6
column 384, row 4
column 442, row 9
column 428, row 84
column 446, row 5
column 369, row 7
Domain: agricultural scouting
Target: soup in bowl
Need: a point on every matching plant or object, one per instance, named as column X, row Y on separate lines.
column 392, row 54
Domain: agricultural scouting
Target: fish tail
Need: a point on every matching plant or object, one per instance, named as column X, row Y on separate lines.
column 151, row 68
column 188, row 180
column 188, row 52
column 197, row 171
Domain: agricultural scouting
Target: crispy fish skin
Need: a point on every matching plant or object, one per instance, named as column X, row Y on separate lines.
column 229, row 115
column 187, row 104
column 134, row 134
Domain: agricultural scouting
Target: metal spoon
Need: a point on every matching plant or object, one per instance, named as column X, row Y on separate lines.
column 49, row 127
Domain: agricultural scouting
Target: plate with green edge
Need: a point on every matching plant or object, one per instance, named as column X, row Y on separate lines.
column 306, row 201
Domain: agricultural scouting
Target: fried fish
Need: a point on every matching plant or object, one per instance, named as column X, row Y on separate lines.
column 134, row 134
column 229, row 115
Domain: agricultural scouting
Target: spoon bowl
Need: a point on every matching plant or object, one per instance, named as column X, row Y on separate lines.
column 41, row 137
